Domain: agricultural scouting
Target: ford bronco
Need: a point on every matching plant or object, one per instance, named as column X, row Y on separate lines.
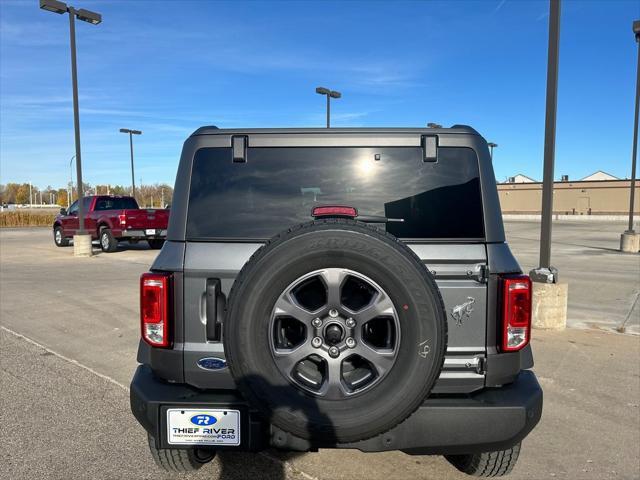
column 336, row 288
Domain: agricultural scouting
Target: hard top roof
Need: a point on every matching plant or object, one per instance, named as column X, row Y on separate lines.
column 455, row 129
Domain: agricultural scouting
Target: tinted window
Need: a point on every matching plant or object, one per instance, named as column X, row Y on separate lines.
column 73, row 208
column 110, row 203
column 278, row 187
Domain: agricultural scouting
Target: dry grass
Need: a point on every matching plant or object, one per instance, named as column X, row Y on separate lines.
column 27, row 218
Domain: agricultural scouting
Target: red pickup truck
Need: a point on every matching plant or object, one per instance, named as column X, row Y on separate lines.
column 110, row 218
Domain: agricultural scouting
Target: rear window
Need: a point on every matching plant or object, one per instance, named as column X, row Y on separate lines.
column 124, row 203
column 278, row 187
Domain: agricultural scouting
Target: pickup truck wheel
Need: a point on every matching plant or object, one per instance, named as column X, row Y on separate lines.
column 179, row 460
column 330, row 318
column 486, row 464
column 155, row 244
column 59, row 238
column 108, row 243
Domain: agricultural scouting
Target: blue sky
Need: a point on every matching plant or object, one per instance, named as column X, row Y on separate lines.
column 167, row 68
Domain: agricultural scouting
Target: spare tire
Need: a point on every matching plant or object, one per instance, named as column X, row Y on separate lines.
column 335, row 331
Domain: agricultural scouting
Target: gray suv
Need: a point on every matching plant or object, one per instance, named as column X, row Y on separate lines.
column 336, row 288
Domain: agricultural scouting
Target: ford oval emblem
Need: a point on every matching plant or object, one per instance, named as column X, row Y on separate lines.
column 203, row 419
column 212, row 363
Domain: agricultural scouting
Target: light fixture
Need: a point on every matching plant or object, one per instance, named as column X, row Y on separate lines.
column 88, row 16
column 53, row 6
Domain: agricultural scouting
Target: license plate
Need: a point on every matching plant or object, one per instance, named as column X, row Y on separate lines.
column 150, row 231
column 203, row 427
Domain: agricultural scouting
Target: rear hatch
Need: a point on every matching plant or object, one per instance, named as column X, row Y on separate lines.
column 235, row 206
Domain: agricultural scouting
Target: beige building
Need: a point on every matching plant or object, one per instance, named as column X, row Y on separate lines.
column 590, row 197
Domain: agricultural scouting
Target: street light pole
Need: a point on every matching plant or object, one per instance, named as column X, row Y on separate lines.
column 630, row 240
column 328, row 111
column 131, row 134
column 76, row 118
column 70, row 189
column 545, row 272
column 634, row 149
column 330, row 94
column 94, row 18
column 491, row 147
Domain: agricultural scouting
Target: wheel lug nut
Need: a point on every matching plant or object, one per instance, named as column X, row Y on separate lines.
column 351, row 322
column 316, row 322
column 351, row 343
column 334, row 352
column 316, row 342
column 333, row 313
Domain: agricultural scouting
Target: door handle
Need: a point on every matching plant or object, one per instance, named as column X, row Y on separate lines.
column 215, row 305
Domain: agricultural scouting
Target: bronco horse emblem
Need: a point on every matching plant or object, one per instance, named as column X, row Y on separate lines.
column 464, row 310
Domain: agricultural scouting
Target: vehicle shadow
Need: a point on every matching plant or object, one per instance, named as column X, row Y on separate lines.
column 272, row 464
column 122, row 247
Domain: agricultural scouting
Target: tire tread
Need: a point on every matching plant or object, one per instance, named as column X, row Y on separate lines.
column 487, row 464
column 173, row 459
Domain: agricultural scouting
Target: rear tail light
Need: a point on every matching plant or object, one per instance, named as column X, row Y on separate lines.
column 516, row 312
column 123, row 219
column 334, row 211
column 155, row 308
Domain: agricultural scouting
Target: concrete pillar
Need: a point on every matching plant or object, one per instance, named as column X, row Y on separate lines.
column 630, row 242
column 82, row 246
column 549, row 305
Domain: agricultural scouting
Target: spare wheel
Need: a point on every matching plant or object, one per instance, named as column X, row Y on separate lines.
column 335, row 331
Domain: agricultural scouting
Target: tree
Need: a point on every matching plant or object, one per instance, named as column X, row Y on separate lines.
column 152, row 196
column 22, row 194
column 158, row 195
column 9, row 193
column 120, row 190
column 61, row 197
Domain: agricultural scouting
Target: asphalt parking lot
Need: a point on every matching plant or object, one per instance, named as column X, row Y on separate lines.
column 604, row 284
column 69, row 337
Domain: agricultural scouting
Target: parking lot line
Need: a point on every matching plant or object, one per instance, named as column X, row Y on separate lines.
column 287, row 465
column 66, row 359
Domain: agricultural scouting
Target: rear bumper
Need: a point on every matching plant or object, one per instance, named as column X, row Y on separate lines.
column 489, row 420
column 157, row 233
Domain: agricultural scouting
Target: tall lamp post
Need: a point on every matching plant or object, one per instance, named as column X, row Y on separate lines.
column 70, row 189
column 491, row 147
column 93, row 18
column 131, row 134
column 545, row 273
column 549, row 297
column 630, row 240
column 330, row 94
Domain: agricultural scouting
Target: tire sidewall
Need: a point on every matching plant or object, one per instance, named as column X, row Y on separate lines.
column 105, row 233
column 55, row 236
column 398, row 272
